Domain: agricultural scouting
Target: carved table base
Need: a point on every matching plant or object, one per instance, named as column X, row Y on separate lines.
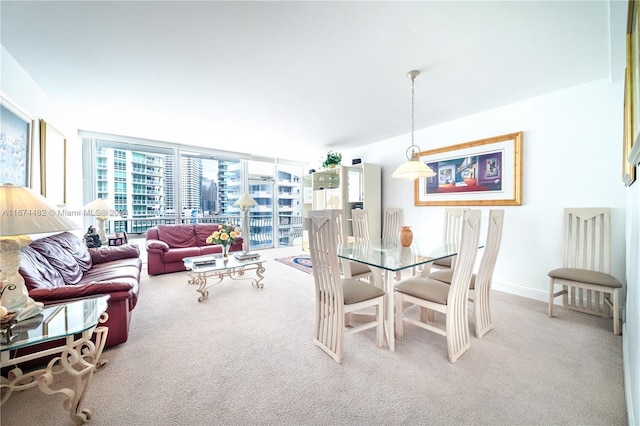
column 78, row 358
column 201, row 279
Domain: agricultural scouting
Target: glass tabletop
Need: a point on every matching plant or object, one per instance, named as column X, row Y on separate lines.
column 58, row 321
column 389, row 254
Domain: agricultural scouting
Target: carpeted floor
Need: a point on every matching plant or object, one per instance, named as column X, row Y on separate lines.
column 301, row 262
column 246, row 356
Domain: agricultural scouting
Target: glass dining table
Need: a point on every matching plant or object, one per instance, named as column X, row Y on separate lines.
column 386, row 257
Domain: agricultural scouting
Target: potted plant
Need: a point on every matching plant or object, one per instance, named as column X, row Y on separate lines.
column 333, row 159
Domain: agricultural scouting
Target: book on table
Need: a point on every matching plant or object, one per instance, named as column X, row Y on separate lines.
column 246, row 256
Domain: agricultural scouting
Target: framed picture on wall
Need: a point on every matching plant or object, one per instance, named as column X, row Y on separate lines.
column 16, row 134
column 631, row 121
column 485, row 172
column 53, row 164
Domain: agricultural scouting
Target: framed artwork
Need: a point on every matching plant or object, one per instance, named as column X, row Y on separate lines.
column 631, row 121
column 53, row 164
column 486, row 172
column 16, row 134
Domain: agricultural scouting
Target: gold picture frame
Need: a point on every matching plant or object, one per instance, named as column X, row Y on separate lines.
column 16, row 144
column 631, row 109
column 486, row 172
column 53, row 164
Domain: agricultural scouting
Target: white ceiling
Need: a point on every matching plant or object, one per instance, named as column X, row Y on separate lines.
column 292, row 78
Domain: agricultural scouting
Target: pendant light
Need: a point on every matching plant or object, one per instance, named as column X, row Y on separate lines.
column 414, row 168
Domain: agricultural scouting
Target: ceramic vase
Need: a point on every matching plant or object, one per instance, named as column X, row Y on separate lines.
column 406, row 236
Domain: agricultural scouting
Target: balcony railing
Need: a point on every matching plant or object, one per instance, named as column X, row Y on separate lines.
column 261, row 228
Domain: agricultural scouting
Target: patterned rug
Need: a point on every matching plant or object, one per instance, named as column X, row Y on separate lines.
column 301, row 262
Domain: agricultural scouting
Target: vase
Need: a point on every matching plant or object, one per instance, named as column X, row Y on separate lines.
column 406, row 236
column 225, row 251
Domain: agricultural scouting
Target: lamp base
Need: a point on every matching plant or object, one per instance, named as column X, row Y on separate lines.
column 15, row 296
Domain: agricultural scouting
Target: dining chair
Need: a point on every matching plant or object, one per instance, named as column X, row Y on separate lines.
column 435, row 296
column 482, row 281
column 585, row 276
column 451, row 235
column 360, row 224
column 337, row 296
column 350, row 269
column 391, row 223
column 391, row 230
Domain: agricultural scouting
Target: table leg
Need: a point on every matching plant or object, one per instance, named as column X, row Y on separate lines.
column 390, row 309
column 259, row 271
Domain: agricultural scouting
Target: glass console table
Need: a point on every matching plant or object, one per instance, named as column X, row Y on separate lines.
column 74, row 324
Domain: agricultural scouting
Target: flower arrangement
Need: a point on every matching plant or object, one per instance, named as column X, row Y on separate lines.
column 226, row 235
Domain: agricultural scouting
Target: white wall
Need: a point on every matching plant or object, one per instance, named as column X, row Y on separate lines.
column 631, row 328
column 22, row 89
column 572, row 156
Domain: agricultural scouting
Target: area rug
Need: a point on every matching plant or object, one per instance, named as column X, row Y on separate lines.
column 301, row 262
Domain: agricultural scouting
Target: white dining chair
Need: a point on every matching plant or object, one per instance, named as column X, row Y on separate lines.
column 435, row 296
column 350, row 269
column 482, row 281
column 391, row 230
column 335, row 296
column 451, row 235
column 585, row 276
column 391, row 223
column 360, row 224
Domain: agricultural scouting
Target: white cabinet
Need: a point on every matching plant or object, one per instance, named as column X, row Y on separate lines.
column 350, row 187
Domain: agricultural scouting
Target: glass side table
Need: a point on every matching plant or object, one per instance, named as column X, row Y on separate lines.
column 78, row 356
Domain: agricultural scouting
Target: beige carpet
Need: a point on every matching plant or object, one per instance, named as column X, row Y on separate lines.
column 246, row 357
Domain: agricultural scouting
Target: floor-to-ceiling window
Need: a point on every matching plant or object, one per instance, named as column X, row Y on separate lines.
column 164, row 184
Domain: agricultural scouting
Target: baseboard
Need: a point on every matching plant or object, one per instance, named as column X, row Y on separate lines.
column 542, row 296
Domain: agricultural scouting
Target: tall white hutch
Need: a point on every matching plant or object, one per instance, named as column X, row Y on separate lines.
column 345, row 188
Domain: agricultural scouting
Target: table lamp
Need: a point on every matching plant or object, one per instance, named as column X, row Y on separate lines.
column 102, row 210
column 24, row 212
column 244, row 203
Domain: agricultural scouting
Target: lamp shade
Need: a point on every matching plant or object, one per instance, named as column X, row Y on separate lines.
column 412, row 170
column 99, row 208
column 26, row 212
column 245, row 201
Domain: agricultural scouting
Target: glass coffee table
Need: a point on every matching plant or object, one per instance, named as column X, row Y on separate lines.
column 202, row 268
column 76, row 326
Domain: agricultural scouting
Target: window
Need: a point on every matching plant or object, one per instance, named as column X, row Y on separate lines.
column 151, row 185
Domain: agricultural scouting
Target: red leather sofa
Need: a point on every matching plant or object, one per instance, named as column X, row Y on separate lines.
column 167, row 245
column 60, row 268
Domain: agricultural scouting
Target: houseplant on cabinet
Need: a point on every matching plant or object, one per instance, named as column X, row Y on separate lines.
column 332, row 160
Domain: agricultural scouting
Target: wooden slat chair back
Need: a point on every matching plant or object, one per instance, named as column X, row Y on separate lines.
column 482, row 281
column 436, row 296
column 451, row 235
column 336, row 297
column 349, row 269
column 586, row 280
column 360, row 224
column 391, row 224
column 391, row 230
